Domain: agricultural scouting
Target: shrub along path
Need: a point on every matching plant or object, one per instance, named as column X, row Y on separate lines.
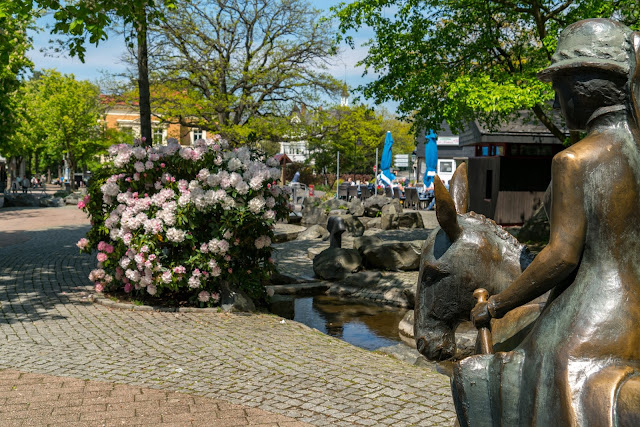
column 184, row 364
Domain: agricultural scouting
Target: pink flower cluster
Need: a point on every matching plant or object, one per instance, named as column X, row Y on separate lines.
column 149, row 215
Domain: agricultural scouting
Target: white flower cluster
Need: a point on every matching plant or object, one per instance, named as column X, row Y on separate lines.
column 148, row 204
column 263, row 242
column 175, row 235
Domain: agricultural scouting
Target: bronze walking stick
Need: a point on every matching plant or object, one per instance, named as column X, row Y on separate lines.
column 484, row 333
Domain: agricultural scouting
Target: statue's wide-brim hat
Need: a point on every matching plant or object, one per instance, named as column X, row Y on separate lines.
column 600, row 44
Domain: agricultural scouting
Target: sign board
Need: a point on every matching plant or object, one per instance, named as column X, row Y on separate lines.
column 448, row 140
column 401, row 160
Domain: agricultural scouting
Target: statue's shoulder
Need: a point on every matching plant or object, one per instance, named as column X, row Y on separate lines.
column 592, row 148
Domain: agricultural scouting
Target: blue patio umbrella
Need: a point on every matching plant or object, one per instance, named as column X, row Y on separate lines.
column 385, row 161
column 431, row 158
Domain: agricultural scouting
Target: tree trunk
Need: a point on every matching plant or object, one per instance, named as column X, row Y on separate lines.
column 574, row 136
column 72, row 171
column 143, row 79
column 537, row 110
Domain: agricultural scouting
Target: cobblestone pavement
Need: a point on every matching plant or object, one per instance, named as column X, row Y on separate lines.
column 48, row 326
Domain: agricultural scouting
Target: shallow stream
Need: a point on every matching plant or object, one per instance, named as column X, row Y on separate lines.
column 363, row 325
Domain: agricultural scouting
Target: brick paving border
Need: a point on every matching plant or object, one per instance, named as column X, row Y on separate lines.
column 45, row 400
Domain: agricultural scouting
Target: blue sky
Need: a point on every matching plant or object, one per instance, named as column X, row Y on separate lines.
column 106, row 57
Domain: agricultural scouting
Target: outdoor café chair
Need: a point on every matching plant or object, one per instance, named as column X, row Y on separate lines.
column 352, row 192
column 342, row 191
column 412, row 197
column 364, row 192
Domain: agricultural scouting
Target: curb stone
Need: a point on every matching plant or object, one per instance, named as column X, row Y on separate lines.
column 159, row 309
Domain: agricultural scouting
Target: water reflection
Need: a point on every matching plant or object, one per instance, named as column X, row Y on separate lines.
column 366, row 326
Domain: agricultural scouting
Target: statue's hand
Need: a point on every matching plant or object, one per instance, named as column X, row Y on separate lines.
column 480, row 315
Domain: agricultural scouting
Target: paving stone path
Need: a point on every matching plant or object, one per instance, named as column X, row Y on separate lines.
column 50, row 333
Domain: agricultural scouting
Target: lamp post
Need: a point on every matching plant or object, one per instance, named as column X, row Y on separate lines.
column 414, row 157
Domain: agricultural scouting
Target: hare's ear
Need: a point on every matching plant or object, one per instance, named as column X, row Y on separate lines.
column 459, row 189
column 446, row 210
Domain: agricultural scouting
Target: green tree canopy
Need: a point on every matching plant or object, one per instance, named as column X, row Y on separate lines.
column 460, row 60
column 355, row 132
column 15, row 20
column 59, row 118
column 232, row 66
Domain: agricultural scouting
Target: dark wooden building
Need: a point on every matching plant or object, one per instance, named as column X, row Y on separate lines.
column 450, row 154
column 510, row 169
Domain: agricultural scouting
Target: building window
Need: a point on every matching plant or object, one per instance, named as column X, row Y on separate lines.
column 197, row 134
column 489, row 150
column 446, row 167
column 158, row 136
column 488, row 188
column 535, row 150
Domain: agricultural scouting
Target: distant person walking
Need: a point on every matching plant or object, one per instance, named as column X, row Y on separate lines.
column 25, row 185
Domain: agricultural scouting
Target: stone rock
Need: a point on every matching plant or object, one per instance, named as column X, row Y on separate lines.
column 410, row 220
column 410, row 294
column 334, row 204
column 312, row 215
column 354, row 227
column 71, row 199
column 360, row 242
column 311, row 201
column 374, row 223
column 401, row 220
column 336, row 212
column 391, row 208
column 536, row 229
column 336, row 263
column 356, row 208
column 362, row 279
column 388, row 222
column 365, row 220
column 51, row 202
column 286, row 232
column 373, row 205
column 21, row 200
column 392, row 256
column 313, row 232
column 233, row 299
column 405, row 328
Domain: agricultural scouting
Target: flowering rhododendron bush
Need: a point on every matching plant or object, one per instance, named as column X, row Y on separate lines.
column 178, row 222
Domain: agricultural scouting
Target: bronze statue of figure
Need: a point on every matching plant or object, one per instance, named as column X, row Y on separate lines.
column 580, row 363
column 467, row 252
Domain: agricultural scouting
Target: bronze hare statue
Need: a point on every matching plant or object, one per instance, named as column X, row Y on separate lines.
column 579, row 364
